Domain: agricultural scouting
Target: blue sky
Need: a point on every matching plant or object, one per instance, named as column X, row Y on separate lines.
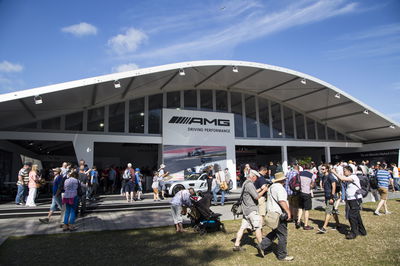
column 354, row 45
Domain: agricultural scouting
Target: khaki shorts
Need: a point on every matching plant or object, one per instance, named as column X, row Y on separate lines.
column 383, row 193
column 252, row 221
column 262, row 206
column 293, row 201
column 329, row 207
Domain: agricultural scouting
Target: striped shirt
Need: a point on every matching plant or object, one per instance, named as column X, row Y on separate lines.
column 383, row 177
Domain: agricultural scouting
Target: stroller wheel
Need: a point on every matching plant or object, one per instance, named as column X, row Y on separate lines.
column 196, row 228
column 202, row 231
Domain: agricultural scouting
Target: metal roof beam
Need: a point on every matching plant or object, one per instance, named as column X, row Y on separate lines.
column 169, row 80
column 328, row 107
column 210, row 76
column 279, row 85
column 127, row 88
column 245, row 78
column 341, row 116
column 27, row 108
column 367, row 129
column 305, row 94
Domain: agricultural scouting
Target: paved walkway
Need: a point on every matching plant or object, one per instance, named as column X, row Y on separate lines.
column 114, row 220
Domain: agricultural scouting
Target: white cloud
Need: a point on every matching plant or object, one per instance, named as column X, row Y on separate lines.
column 128, row 42
column 6, row 66
column 125, row 67
column 80, row 29
column 256, row 23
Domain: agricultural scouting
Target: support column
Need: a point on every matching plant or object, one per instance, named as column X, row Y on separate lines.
column 84, row 148
column 398, row 160
column 327, row 154
column 284, row 159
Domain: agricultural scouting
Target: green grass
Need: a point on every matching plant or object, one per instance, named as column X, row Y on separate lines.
column 162, row 246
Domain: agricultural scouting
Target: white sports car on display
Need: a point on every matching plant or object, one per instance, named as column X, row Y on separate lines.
column 196, row 181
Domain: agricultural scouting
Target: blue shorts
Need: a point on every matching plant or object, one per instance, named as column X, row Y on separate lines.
column 129, row 187
column 55, row 202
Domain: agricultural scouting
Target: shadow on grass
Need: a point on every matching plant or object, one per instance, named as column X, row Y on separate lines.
column 132, row 247
column 342, row 229
column 367, row 209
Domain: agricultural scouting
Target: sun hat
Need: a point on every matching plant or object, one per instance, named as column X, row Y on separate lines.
column 279, row 177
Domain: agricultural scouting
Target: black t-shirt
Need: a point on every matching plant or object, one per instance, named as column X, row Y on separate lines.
column 83, row 178
column 327, row 181
column 272, row 168
column 260, row 182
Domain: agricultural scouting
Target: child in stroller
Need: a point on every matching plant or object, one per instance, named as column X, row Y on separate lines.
column 204, row 220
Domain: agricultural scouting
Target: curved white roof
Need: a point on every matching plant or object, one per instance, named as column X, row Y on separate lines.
column 315, row 98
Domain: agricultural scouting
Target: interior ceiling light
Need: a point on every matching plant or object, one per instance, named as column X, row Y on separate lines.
column 38, row 99
column 366, row 111
column 181, row 72
column 337, row 95
column 117, row 84
column 235, row 69
column 101, row 125
column 303, row 81
column 141, row 114
column 392, row 126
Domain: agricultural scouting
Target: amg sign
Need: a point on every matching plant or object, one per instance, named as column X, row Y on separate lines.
column 199, row 120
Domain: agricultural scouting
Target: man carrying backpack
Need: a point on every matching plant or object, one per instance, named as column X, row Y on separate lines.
column 292, row 186
column 128, row 177
column 331, row 186
column 307, row 181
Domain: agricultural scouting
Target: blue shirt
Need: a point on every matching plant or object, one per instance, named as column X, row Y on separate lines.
column 94, row 174
column 56, row 183
column 137, row 178
column 383, row 177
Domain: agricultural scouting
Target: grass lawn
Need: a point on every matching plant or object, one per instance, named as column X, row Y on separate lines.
column 162, row 246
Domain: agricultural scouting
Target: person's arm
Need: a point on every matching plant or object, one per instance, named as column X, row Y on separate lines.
column 261, row 188
column 331, row 200
column 392, row 183
column 285, row 207
column 342, row 177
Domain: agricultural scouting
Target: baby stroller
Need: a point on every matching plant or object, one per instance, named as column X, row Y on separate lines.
column 203, row 220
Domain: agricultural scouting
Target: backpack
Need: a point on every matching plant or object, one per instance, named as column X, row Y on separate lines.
column 364, row 183
column 373, row 182
column 126, row 175
column 294, row 183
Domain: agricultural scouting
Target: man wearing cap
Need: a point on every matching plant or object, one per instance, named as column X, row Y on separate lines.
column 138, row 184
column 56, row 199
column 251, row 217
column 22, row 183
column 161, row 175
column 277, row 202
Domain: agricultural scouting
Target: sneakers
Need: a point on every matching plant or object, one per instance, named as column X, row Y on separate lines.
column 388, row 212
column 308, row 228
column 238, row 248
column 350, row 236
column 44, row 220
column 297, row 225
column 377, row 213
column 321, row 230
column 260, row 251
column 18, row 203
column 287, row 258
column 65, row 227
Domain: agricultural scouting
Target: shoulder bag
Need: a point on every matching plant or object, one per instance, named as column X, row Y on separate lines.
column 237, row 206
column 272, row 218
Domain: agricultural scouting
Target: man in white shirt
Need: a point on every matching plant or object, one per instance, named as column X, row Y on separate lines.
column 277, row 202
column 396, row 177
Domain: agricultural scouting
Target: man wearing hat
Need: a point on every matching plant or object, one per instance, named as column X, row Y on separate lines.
column 277, row 202
column 161, row 183
column 56, row 199
column 251, row 217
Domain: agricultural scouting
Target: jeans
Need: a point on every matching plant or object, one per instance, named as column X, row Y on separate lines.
column 215, row 191
column 70, row 214
column 55, row 202
column 281, row 233
column 396, row 183
column 356, row 224
column 21, row 194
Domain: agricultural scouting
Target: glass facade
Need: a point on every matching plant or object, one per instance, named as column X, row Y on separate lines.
column 190, row 99
column 136, row 116
column 300, row 128
column 155, row 107
column 276, row 120
column 116, row 117
column 96, row 119
column 288, row 120
column 174, row 99
column 145, row 117
column 74, row 121
column 236, row 108
column 263, row 109
column 206, row 100
column 251, row 116
column 221, row 99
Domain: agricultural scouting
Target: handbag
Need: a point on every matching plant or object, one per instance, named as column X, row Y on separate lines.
column 223, row 185
column 272, row 218
column 237, row 206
